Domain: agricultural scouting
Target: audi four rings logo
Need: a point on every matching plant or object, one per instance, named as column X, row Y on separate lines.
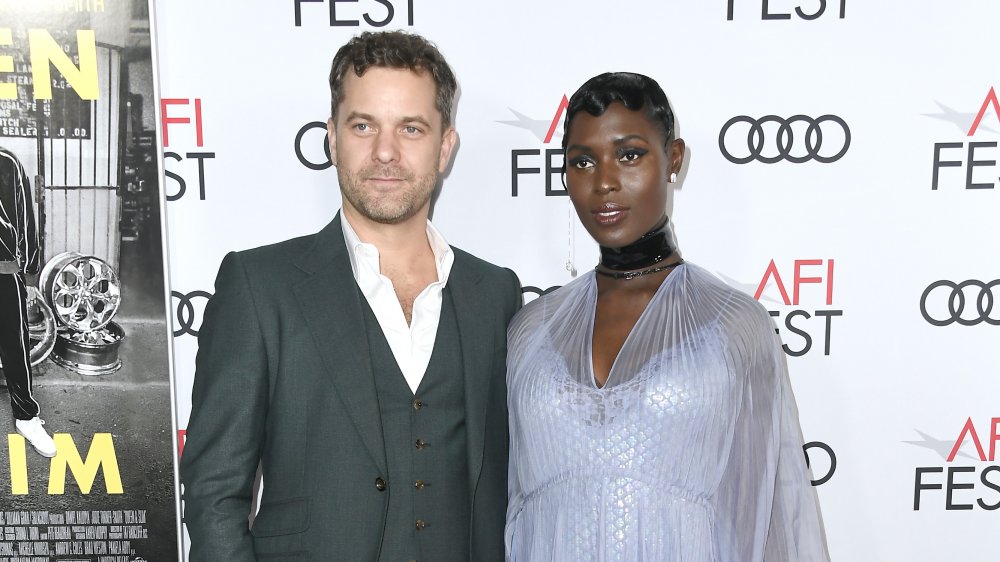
column 797, row 139
column 532, row 290
column 945, row 302
column 184, row 313
column 828, row 461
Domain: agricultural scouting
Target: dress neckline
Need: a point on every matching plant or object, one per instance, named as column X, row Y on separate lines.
column 592, row 321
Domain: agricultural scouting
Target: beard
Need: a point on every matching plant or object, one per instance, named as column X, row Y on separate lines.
column 392, row 207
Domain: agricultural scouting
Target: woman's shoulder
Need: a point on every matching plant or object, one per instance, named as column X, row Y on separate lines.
column 551, row 305
column 711, row 293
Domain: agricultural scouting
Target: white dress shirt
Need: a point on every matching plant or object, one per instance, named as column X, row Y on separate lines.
column 411, row 344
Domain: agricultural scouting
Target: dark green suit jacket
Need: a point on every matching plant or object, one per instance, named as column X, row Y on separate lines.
column 284, row 380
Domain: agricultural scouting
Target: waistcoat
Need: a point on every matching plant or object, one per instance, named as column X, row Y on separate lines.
column 426, row 448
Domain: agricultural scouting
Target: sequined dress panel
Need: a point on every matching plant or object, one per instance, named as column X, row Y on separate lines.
column 691, row 452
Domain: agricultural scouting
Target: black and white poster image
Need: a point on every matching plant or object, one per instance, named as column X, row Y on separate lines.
column 87, row 463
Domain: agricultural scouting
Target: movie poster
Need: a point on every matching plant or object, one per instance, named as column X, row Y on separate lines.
column 83, row 233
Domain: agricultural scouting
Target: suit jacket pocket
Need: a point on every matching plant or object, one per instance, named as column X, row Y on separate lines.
column 285, row 517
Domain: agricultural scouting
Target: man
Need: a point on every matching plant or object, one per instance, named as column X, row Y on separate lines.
column 19, row 255
column 362, row 367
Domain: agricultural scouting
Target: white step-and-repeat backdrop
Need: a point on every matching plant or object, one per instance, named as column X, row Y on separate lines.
column 842, row 168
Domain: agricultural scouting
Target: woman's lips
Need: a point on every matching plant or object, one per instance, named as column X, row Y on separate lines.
column 609, row 214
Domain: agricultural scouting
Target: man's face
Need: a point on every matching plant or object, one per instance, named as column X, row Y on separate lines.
column 389, row 145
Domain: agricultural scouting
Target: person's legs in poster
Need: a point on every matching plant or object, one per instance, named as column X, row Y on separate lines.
column 14, row 355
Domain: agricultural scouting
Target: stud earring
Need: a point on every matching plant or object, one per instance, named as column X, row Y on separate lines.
column 673, row 177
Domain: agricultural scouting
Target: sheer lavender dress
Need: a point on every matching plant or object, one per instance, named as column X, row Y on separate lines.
column 691, row 452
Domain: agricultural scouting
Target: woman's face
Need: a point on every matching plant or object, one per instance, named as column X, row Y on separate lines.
column 616, row 173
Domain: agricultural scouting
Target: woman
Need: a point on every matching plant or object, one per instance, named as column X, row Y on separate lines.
column 651, row 416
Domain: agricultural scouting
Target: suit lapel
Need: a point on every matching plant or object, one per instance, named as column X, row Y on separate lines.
column 331, row 305
column 475, row 325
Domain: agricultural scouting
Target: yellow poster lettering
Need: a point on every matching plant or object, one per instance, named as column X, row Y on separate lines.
column 100, row 455
column 44, row 50
column 18, row 464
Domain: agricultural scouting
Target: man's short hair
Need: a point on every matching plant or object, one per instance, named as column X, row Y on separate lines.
column 634, row 91
column 394, row 49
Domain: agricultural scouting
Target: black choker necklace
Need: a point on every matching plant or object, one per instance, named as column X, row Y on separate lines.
column 633, row 274
column 652, row 248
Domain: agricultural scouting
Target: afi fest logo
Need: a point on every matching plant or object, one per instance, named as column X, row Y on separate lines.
column 968, row 479
column 783, row 9
column 784, row 288
column 529, row 161
column 968, row 164
column 797, row 139
column 186, row 169
column 356, row 13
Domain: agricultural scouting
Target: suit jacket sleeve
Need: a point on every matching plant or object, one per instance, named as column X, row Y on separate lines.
column 517, row 297
column 226, row 428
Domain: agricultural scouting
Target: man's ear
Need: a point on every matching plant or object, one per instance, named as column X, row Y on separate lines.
column 448, row 140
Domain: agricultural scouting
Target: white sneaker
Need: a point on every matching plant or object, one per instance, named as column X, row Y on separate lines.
column 40, row 439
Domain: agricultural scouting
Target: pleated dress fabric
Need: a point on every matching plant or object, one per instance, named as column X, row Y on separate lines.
column 691, row 452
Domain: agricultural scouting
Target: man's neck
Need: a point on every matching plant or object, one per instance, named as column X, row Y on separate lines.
column 400, row 246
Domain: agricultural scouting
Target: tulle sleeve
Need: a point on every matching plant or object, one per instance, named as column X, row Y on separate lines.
column 795, row 533
column 768, row 509
column 522, row 340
